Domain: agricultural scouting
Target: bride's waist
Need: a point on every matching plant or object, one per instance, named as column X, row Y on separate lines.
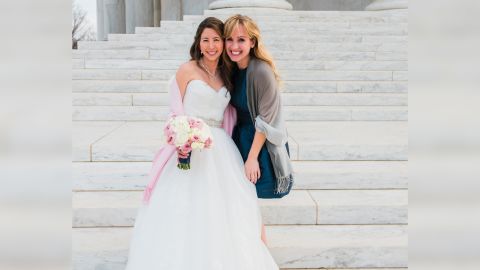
column 212, row 122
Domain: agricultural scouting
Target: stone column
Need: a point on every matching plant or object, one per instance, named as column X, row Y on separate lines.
column 171, row 10
column 110, row 18
column 157, row 13
column 138, row 13
column 280, row 4
column 387, row 5
column 100, row 25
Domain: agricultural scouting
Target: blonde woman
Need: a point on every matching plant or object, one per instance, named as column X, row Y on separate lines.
column 260, row 132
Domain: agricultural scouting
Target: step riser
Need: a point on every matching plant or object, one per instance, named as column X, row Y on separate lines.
column 125, row 217
column 139, row 86
column 290, row 75
column 271, row 31
column 111, row 54
column 292, row 113
column 346, row 215
column 271, row 22
column 375, row 20
column 120, row 86
column 288, row 99
column 274, row 46
column 321, row 152
column 282, row 65
column 364, row 257
column 278, row 55
column 111, row 176
column 403, row 31
column 107, row 209
column 310, row 247
column 183, row 39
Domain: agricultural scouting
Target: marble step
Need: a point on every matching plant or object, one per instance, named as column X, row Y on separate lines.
column 309, row 141
column 320, row 18
column 376, row 31
column 119, row 208
column 291, row 113
column 114, row 176
column 288, row 99
column 152, row 42
column 266, row 26
column 289, row 19
column 160, row 86
column 289, row 75
column 269, row 38
column 111, row 54
column 278, row 55
column 282, row 65
column 312, row 175
column 292, row 246
column 286, row 27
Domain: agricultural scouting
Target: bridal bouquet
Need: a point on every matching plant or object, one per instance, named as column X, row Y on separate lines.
column 187, row 133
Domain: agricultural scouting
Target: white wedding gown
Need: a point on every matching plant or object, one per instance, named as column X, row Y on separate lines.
column 205, row 218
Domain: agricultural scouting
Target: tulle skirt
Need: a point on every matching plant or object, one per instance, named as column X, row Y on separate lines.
column 205, row 218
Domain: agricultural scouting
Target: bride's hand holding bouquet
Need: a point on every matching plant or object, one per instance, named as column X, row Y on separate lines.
column 187, row 133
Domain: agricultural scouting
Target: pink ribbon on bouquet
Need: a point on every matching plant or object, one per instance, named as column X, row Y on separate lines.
column 167, row 151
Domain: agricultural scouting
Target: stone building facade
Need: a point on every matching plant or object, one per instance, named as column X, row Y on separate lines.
column 122, row 16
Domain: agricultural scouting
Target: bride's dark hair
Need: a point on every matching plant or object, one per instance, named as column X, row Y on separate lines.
column 224, row 64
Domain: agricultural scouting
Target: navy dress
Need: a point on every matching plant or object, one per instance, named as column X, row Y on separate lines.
column 243, row 135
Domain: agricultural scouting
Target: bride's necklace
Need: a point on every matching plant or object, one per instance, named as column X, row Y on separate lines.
column 210, row 75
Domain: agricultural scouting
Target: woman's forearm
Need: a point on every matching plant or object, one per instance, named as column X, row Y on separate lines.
column 258, row 141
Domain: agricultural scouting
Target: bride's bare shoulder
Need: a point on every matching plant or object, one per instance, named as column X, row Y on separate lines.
column 185, row 73
column 186, row 68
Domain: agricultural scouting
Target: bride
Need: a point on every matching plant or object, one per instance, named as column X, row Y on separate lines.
column 207, row 217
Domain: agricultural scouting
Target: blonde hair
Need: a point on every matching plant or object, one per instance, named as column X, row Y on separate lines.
column 259, row 50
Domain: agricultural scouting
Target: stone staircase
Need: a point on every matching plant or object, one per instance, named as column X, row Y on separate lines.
column 345, row 98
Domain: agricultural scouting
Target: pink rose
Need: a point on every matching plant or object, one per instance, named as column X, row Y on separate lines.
column 171, row 138
column 208, row 142
column 195, row 123
column 186, row 148
column 195, row 138
column 182, row 154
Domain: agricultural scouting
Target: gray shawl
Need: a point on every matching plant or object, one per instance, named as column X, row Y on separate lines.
column 265, row 107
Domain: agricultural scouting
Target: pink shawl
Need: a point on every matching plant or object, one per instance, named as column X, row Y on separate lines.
column 167, row 151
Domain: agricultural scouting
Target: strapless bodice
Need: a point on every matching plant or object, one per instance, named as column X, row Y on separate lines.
column 204, row 102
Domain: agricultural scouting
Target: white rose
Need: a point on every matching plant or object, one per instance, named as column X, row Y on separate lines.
column 181, row 138
column 197, row 145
